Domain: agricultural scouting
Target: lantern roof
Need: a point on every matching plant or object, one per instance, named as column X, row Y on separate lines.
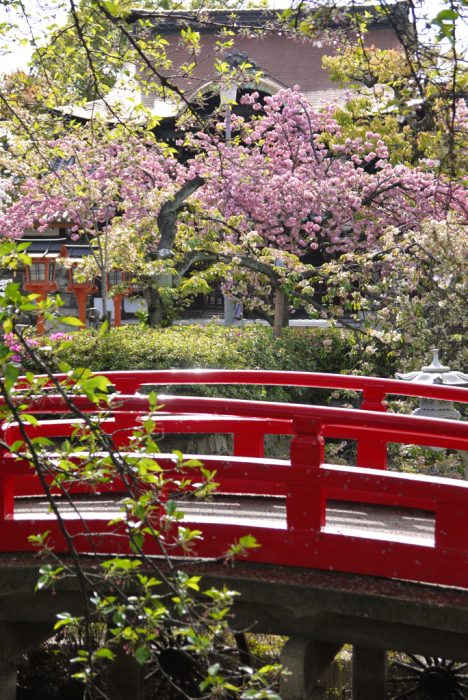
column 435, row 373
column 55, row 247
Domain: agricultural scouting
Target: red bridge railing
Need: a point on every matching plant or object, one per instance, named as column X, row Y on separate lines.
column 306, row 482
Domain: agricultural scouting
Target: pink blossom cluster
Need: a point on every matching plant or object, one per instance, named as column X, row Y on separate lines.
column 292, row 179
column 60, row 337
column 99, row 182
column 12, row 342
column 298, row 193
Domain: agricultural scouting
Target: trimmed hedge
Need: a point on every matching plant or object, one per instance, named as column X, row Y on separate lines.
column 251, row 347
column 212, row 346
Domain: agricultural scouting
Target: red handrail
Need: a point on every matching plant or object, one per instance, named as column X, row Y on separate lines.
column 374, row 391
column 129, row 382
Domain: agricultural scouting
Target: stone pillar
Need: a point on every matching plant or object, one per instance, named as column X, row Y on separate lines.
column 124, row 678
column 8, row 669
column 229, row 310
column 16, row 638
column 369, row 673
column 306, row 660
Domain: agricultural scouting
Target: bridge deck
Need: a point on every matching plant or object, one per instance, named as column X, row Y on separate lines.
column 358, row 519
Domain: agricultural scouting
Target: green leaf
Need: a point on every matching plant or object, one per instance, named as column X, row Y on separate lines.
column 11, row 374
column 193, row 583
column 171, row 507
column 142, row 654
column 20, row 247
column 64, row 619
column 152, row 400
column 446, row 15
column 104, row 328
column 193, row 463
column 268, row 668
column 112, row 8
column 153, row 122
column 42, row 441
column 32, row 420
column 104, row 653
column 249, row 542
column 39, row 540
column 121, row 564
column 16, row 446
column 48, row 575
column 71, row 321
column 136, row 542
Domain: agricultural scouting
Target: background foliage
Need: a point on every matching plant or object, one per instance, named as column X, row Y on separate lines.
column 250, row 347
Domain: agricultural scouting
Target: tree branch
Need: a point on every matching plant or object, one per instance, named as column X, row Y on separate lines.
column 167, row 217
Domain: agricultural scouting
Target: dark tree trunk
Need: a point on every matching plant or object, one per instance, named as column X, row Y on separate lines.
column 157, row 313
column 170, row 210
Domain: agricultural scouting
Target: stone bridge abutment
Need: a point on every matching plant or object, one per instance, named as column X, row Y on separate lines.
column 318, row 611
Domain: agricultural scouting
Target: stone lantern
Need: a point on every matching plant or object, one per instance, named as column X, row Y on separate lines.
column 436, row 373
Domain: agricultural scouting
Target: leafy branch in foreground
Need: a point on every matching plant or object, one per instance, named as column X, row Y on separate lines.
column 146, row 599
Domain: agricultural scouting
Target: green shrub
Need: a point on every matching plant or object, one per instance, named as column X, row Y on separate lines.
column 212, row 346
column 326, row 350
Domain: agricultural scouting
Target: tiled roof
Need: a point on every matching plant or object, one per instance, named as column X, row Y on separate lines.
column 284, row 60
column 53, row 247
column 207, row 20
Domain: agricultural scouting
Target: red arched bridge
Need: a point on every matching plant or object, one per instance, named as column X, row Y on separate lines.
column 304, row 512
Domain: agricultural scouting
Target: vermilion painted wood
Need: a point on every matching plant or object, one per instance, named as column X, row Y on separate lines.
column 392, row 426
column 306, row 481
column 369, row 453
column 306, row 548
column 249, row 408
column 7, row 493
column 120, row 425
column 374, row 387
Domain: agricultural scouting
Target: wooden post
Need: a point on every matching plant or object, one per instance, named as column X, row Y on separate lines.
column 118, row 309
column 40, row 323
column 372, row 454
column 81, row 294
column 81, row 290
column 7, row 493
column 306, row 505
column 279, row 313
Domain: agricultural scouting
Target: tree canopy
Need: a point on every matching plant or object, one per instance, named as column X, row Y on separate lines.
column 293, row 191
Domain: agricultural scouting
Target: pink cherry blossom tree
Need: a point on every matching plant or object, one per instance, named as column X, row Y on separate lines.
column 96, row 185
column 265, row 213
column 289, row 193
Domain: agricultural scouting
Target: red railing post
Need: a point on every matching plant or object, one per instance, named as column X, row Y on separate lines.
column 305, row 499
column 7, row 493
column 372, row 453
column 450, row 526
